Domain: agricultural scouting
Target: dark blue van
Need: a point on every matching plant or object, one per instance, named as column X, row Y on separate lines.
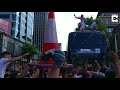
column 89, row 44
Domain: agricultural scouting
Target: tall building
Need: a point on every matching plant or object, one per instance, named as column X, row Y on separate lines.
column 26, row 26
column 40, row 23
column 107, row 19
column 14, row 18
column 5, row 31
column 22, row 24
column 21, row 31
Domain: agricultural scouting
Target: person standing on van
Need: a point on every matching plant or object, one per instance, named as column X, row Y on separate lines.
column 94, row 25
column 82, row 27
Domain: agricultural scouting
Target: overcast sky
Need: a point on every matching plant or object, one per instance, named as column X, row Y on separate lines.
column 66, row 23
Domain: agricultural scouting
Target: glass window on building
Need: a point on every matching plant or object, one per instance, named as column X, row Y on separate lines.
column 18, row 34
column 18, row 13
column 17, row 18
column 104, row 21
column 10, row 47
column 23, row 28
column 5, row 16
column 110, row 29
column 109, row 21
column 28, row 39
column 13, row 25
column 13, row 33
column 14, row 17
column 23, row 15
column 17, row 26
column 115, row 22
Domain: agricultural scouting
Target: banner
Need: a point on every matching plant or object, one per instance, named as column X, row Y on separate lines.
column 5, row 26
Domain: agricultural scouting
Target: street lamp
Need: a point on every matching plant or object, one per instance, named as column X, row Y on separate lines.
column 116, row 47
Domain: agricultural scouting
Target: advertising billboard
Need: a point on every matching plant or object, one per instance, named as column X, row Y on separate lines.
column 5, row 26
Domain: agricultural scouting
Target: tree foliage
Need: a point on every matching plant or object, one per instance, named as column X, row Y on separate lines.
column 77, row 29
column 88, row 22
column 28, row 48
column 102, row 27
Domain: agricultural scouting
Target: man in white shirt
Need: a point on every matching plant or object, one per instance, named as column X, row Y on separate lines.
column 82, row 27
column 6, row 58
column 94, row 26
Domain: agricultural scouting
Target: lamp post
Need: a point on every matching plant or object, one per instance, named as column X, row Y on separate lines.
column 116, row 47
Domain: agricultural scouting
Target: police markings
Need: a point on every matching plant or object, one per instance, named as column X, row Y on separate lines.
column 96, row 50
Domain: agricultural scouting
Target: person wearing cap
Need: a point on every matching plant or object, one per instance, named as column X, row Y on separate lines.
column 5, row 60
column 115, row 58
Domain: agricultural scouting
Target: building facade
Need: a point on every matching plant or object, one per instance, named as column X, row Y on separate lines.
column 107, row 19
column 115, row 34
column 40, row 24
column 26, row 26
column 11, row 45
column 7, row 43
column 21, row 29
column 22, row 24
column 14, row 18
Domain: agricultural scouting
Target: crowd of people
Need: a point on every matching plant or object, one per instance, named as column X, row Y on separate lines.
column 8, row 69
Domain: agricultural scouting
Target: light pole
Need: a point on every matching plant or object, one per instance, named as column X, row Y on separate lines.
column 116, row 47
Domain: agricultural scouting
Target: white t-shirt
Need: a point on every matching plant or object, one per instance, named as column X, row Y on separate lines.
column 3, row 64
column 75, row 76
column 82, row 23
column 93, row 25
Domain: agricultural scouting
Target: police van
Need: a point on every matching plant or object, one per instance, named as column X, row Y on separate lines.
column 86, row 45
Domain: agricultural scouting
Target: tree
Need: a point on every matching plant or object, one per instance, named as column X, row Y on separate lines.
column 89, row 22
column 28, row 48
column 78, row 28
column 103, row 28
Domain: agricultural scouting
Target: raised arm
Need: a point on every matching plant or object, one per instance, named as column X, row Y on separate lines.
column 35, row 74
column 55, row 71
column 116, row 62
column 104, row 66
column 77, row 17
column 98, row 65
column 17, row 58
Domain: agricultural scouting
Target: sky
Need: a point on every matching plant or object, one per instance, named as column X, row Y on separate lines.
column 66, row 23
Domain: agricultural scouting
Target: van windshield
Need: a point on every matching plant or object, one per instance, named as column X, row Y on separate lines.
column 87, row 41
